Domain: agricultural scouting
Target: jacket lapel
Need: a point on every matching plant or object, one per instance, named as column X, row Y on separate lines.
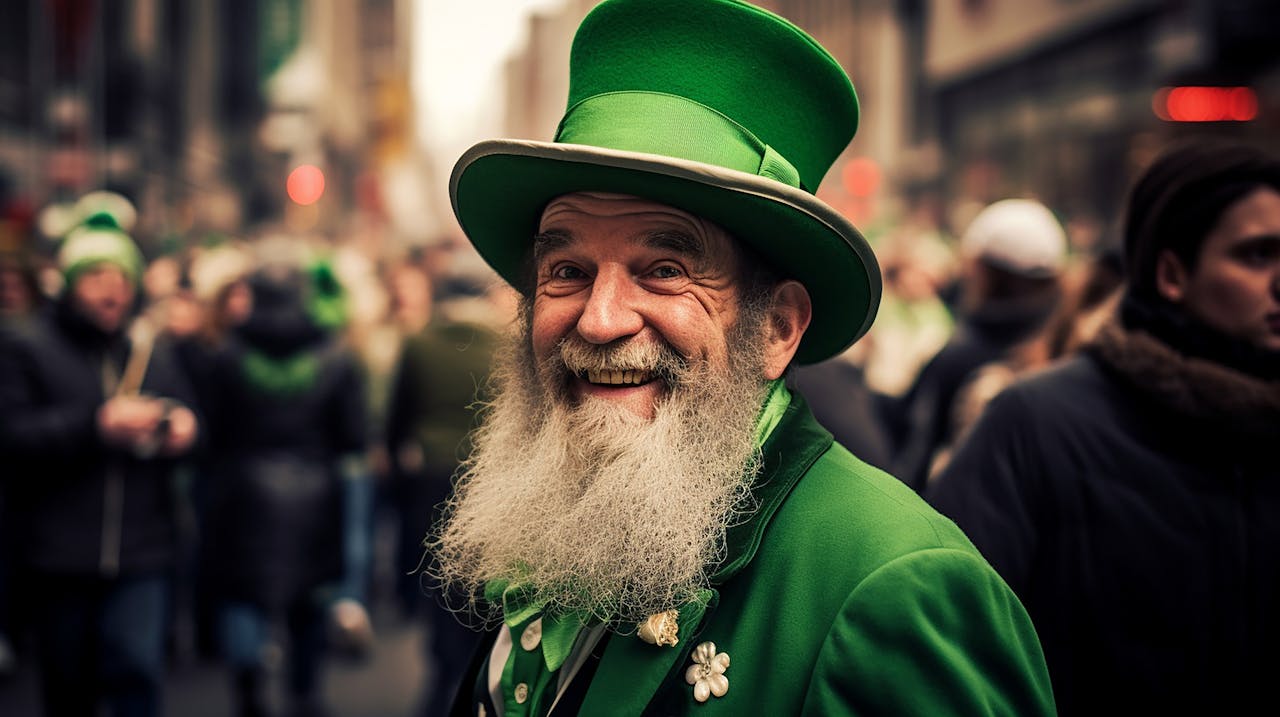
column 631, row 670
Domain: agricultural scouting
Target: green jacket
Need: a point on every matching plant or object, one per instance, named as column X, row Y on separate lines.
column 844, row 594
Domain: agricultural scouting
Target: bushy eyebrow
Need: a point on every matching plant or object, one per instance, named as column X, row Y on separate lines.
column 546, row 242
column 681, row 243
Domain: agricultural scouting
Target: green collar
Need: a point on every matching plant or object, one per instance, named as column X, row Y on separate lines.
column 558, row 632
column 775, row 405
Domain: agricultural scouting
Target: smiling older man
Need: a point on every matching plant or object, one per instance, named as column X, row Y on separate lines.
column 651, row 522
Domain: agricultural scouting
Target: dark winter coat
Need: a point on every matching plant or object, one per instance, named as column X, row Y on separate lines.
column 1131, row 497
column 275, row 521
column 74, row 505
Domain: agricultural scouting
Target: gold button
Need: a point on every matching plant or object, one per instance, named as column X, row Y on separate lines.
column 522, row 693
column 480, row 711
column 531, row 636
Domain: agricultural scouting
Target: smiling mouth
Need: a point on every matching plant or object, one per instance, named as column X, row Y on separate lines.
column 609, row 377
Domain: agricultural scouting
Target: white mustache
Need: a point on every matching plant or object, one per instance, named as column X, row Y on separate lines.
column 630, row 362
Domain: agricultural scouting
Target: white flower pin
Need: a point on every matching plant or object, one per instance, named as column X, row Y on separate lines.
column 706, row 674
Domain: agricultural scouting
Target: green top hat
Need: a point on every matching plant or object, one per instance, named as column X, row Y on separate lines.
column 713, row 106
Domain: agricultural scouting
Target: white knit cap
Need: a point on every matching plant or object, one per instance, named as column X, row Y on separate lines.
column 1018, row 235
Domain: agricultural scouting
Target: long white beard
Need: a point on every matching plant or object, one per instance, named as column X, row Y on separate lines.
column 592, row 508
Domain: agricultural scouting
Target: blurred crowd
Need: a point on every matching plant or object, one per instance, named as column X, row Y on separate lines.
column 200, row 446
column 256, row 406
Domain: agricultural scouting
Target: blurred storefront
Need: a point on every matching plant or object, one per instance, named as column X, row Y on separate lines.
column 1062, row 100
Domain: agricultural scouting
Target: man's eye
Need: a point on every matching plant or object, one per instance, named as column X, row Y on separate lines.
column 667, row 272
column 567, row 272
column 1258, row 253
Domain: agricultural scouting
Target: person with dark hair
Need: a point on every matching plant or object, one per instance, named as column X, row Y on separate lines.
column 650, row 521
column 92, row 423
column 1131, row 494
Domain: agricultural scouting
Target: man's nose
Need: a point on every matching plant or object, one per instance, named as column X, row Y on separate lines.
column 610, row 312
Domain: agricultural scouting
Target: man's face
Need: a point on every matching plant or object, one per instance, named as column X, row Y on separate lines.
column 103, row 294
column 1235, row 285
column 614, row 269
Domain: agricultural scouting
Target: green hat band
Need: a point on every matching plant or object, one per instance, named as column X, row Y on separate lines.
column 665, row 124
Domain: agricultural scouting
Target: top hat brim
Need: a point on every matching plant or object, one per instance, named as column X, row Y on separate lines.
column 499, row 189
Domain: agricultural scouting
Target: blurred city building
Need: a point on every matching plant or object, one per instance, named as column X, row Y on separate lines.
column 199, row 110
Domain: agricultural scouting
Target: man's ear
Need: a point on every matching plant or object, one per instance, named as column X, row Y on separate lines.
column 788, row 318
column 1171, row 276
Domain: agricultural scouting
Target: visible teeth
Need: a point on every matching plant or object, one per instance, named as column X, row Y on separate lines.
column 613, row 377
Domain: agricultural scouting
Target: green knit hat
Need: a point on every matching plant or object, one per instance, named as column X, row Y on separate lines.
column 99, row 239
column 716, row 107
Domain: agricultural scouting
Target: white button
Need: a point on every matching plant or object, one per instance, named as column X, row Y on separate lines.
column 531, row 636
column 522, row 693
column 480, row 711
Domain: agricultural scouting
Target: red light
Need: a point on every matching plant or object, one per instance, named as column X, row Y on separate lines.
column 1205, row 104
column 305, row 184
column 1160, row 103
column 1243, row 104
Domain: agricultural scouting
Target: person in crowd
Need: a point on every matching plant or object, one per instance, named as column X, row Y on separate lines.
column 646, row 500
column 20, row 300
column 218, row 278
column 345, row 296
column 93, row 423
column 1129, row 494
column 1090, row 292
column 913, row 322
column 1012, row 252
column 214, row 286
column 20, row 295
column 439, row 376
column 286, row 424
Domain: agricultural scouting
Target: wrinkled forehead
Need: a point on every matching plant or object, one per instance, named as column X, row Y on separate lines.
column 676, row 228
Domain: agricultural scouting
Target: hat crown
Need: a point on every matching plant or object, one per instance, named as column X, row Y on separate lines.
column 86, row 246
column 754, row 68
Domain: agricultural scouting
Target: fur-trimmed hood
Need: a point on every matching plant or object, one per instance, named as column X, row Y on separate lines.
column 1192, row 387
